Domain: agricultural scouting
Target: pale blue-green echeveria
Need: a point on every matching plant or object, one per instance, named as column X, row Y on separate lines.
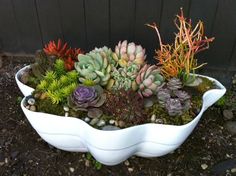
column 94, row 66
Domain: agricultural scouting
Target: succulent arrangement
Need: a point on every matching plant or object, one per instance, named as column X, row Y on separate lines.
column 112, row 89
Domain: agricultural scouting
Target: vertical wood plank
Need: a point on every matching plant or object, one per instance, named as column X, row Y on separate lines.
column 122, row 16
column 204, row 10
column 143, row 34
column 9, row 36
column 232, row 63
column 73, row 22
column 27, row 25
column 49, row 19
column 224, row 30
column 97, row 23
column 169, row 11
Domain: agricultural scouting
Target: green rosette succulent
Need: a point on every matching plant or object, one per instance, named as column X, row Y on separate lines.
column 124, row 78
column 107, row 52
column 148, row 80
column 94, row 66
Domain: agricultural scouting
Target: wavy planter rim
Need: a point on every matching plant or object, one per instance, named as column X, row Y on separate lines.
column 25, row 90
column 113, row 147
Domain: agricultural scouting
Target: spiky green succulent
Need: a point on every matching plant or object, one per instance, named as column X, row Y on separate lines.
column 94, row 66
column 58, row 88
column 148, row 80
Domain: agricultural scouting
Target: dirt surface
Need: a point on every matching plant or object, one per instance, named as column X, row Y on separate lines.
column 210, row 150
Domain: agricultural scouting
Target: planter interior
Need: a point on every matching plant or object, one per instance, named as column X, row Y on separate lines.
column 112, row 147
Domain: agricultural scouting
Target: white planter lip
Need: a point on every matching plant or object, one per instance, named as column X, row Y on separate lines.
column 113, row 147
column 26, row 90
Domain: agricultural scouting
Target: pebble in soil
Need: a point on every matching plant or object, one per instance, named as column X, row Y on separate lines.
column 228, row 114
column 231, row 127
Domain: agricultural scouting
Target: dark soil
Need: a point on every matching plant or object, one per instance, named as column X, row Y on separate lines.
column 210, row 150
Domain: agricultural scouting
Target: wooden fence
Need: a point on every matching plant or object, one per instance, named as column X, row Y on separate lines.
column 26, row 25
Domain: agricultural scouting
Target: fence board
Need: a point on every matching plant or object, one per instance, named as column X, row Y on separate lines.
column 169, row 11
column 204, row 10
column 143, row 34
column 9, row 40
column 28, row 27
column 224, row 30
column 73, row 22
column 232, row 64
column 49, row 20
column 121, row 20
column 97, row 22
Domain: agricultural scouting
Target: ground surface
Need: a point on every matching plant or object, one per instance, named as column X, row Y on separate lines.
column 210, row 150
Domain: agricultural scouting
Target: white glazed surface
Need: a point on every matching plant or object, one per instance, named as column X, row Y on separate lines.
column 25, row 90
column 113, row 147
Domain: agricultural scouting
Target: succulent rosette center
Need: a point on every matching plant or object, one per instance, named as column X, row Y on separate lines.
column 87, row 98
column 84, row 94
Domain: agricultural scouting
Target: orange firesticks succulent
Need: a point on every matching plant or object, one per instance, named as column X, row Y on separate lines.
column 178, row 59
column 68, row 54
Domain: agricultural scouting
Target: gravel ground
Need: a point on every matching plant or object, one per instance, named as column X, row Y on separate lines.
column 210, row 150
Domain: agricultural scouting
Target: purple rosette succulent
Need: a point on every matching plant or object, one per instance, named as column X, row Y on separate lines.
column 175, row 101
column 174, row 106
column 87, row 98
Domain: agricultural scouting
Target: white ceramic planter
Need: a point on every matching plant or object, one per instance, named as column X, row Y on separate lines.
column 113, row 147
column 26, row 90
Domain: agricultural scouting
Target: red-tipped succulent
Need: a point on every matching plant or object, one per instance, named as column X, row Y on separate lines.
column 57, row 49
column 61, row 50
column 71, row 57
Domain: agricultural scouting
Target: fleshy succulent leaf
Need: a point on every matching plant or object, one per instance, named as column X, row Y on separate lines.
column 148, row 80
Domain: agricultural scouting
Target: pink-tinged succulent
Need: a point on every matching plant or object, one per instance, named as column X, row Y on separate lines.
column 87, row 98
column 128, row 53
column 148, row 80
